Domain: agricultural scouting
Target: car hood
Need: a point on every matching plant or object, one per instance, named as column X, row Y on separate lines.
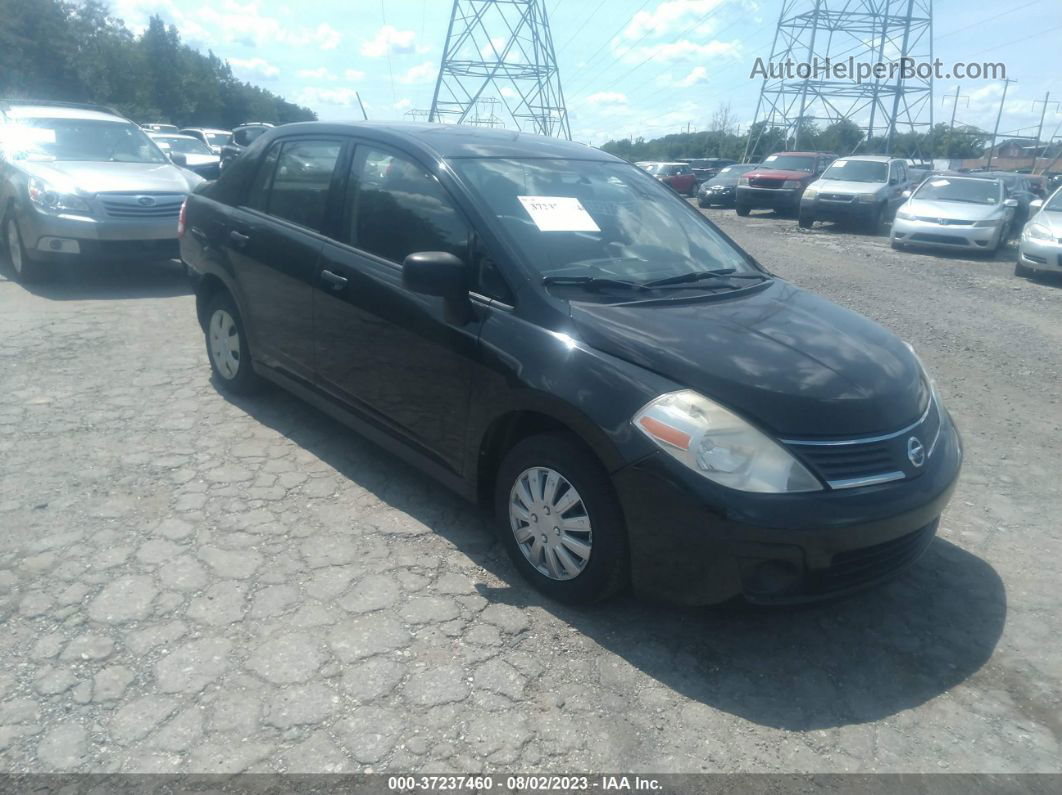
column 787, row 359
column 956, row 211
column 846, row 186
column 1052, row 219
column 722, row 182
column 778, row 173
column 88, row 178
column 202, row 160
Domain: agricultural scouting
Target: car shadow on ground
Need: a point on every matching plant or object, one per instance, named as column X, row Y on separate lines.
column 849, row 661
column 110, row 281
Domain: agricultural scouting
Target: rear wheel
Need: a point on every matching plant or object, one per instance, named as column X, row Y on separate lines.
column 741, row 209
column 560, row 520
column 226, row 343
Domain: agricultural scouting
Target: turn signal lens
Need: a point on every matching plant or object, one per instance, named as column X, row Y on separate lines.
column 180, row 220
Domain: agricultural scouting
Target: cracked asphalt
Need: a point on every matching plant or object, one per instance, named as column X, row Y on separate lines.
column 191, row 583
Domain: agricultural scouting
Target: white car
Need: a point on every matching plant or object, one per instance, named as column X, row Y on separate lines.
column 189, row 152
column 215, row 139
column 955, row 211
column 1040, row 248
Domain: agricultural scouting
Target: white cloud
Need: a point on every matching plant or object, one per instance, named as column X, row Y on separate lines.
column 607, row 98
column 682, row 50
column 424, row 73
column 493, row 48
column 696, row 76
column 339, row 97
column 389, row 40
column 403, row 103
column 667, row 16
column 353, row 74
column 320, row 73
column 256, row 67
column 509, row 92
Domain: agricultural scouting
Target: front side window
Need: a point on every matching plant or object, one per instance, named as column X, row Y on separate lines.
column 612, row 220
column 95, row 140
column 399, row 208
column 294, row 180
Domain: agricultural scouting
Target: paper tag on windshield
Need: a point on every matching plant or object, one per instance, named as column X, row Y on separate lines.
column 939, row 183
column 840, row 163
column 558, row 214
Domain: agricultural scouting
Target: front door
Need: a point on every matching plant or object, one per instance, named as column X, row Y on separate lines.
column 273, row 244
column 383, row 349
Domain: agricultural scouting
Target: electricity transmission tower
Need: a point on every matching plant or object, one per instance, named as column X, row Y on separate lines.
column 829, row 33
column 504, row 48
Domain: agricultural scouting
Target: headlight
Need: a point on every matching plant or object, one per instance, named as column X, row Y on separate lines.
column 811, row 193
column 866, row 197
column 1038, row 232
column 45, row 198
column 718, row 444
column 989, row 222
column 792, row 183
column 743, row 180
column 903, row 215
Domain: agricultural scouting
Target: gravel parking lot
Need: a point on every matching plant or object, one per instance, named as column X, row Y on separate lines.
column 189, row 583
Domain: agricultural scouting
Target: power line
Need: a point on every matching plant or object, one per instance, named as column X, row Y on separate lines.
column 580, row 28
column 612, row 35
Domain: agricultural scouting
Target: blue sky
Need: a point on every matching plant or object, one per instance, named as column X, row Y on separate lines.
column 628, row 67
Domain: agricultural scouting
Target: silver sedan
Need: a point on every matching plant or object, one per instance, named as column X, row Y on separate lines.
column 1040, row 248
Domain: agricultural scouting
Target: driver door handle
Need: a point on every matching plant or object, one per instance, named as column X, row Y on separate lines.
column 239, row 238
column 333, row 280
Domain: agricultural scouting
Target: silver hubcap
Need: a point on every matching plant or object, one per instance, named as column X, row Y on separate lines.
column 225, row 343
column 14, row 247
column 550, row 523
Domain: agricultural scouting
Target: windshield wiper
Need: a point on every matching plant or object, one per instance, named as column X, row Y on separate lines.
column 591, row 282
column 696, row 276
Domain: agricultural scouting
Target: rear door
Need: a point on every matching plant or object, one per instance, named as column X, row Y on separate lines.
column 274, row 241
column 390, row 352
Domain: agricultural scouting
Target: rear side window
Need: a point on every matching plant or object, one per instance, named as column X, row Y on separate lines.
column 399, row 208
column 293, row 181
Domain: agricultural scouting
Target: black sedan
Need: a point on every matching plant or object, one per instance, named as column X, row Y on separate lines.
column 720, row 189
column 550, row 331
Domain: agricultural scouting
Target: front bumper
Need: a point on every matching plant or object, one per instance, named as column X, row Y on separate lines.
column 772, row 198
column 831, row 210
column 1041, row 255
column 61, row 238
column 717, row 195
column 695, row 543
column 955, row 236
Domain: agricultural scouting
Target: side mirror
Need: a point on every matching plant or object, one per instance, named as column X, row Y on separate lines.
column 1010, row 203
column 178, row 158
column 441, row 274
column 894, row 181
column 1036, row 204
column 906, row 194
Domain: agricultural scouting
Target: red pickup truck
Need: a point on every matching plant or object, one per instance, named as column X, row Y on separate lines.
column 780, row 180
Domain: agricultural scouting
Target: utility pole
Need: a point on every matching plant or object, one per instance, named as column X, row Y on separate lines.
column 1040, row 129
column 364, row 115
column 995, row 131
column 954, row 105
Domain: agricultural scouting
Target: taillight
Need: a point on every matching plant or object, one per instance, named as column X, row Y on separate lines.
column 180, row 219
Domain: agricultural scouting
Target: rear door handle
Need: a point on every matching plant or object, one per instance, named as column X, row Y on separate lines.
column 239, row 238
column 333, row 280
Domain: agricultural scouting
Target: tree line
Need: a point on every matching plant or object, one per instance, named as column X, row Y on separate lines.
column 78, row 52
column 843, row 137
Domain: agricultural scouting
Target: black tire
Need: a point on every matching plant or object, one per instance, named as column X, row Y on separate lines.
column 702, row 203
column 875, row 220
column 805, row 221
column 895, row 245
column 606, row 570
column 244, row 381
column 1023, row 270
column 23, row 269
column 741, row 210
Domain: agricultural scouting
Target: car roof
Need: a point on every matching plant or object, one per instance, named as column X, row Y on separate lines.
column 808, row 154
column 59, row 112
column 206, row 130
column 980, row 177
column 454, row 141
column 172, row 135
column 871, row 158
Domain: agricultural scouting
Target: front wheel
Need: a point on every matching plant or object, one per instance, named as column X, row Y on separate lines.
column 877, row 216
column 741, row 210
column 1023, row 270
column 23, row 268
column 805, row 221
column 560, row 520
column 226, row 343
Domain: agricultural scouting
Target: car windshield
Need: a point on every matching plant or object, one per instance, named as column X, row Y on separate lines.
column 185, row 145
column 660, row 169
column 247, row 136
column 78, row 139
column 858, row 171
column 219, row 139
column 1054, row 204
column 578, row 218
column 950, row 189
column 790, row 163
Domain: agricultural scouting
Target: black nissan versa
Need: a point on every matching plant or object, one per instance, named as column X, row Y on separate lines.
column 548, row 329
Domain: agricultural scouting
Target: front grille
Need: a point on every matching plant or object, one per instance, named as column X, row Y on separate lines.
column 849, row 463
column 141, row 205
column 943, row 221
column 857, row 566
column 837, row 197
column 953, row 240
column 765, row 182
